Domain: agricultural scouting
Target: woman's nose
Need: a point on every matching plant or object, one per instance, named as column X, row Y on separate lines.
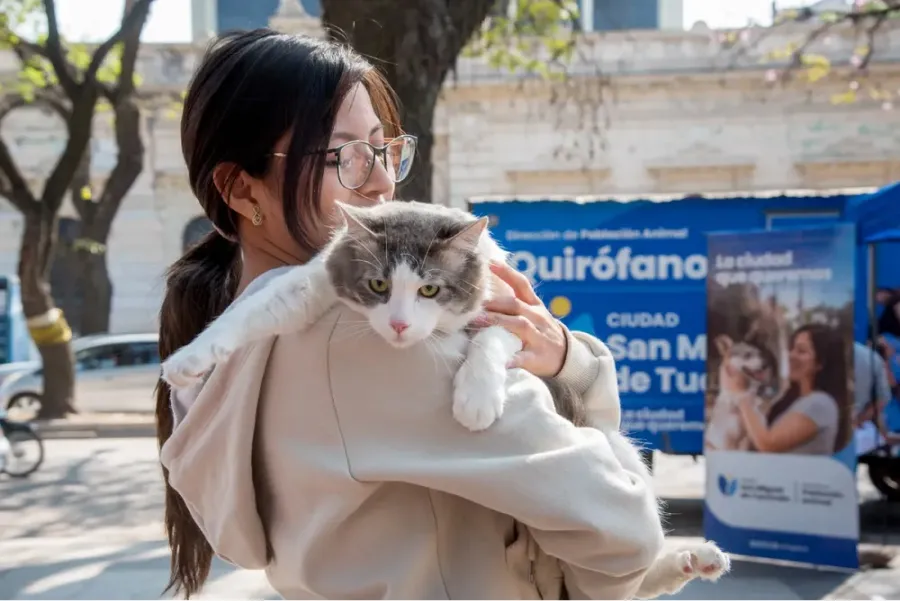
column 379, row 185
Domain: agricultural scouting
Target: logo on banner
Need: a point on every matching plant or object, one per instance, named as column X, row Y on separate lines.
column 728, row 486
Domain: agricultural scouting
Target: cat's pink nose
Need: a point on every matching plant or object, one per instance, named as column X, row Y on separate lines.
column 399, row 326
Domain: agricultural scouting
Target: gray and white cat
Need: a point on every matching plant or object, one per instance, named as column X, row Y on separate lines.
column 419, row 273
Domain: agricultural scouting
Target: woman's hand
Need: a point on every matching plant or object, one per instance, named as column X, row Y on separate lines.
column 747, row 401
column 518, row 309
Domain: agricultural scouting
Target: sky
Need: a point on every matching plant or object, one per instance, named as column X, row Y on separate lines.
column 170, row 20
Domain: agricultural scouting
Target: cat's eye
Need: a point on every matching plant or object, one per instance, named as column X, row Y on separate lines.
column 379, row 286
column 429, row 290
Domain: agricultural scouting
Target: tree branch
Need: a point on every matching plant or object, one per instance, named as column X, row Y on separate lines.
column 870, row 39
column 137, row 16
column 54, row 53
column 131, row 43
column 129, row 163
column 13, row 185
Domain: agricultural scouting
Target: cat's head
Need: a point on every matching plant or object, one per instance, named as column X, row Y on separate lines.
column 413, row 269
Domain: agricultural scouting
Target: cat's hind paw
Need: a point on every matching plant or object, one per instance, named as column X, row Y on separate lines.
column 478, row 396
column 706, row 561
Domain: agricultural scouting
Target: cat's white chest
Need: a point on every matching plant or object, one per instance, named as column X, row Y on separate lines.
column 452, row 347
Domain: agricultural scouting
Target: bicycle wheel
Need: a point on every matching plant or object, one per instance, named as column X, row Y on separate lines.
column 26, row 452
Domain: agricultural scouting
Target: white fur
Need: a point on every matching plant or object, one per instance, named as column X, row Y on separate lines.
column 290, row 302
column 676, row 567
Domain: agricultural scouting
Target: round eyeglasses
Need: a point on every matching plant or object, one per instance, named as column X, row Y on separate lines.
column 355, row 160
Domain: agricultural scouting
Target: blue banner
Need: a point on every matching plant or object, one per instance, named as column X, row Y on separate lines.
column 15, row 342
column 780, row 458
column 634, row 275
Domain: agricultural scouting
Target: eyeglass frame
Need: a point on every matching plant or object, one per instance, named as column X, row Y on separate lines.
column 378, row 151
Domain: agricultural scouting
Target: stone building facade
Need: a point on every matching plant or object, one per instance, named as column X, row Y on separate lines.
column 643, row 112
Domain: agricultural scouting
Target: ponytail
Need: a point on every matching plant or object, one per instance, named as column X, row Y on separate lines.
column 199, row 286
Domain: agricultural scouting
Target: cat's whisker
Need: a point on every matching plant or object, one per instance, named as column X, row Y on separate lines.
column 435, row 346
column 367, row 262
column 434, row 351
column 350, row 334
column 428, row 250
column 359, row 244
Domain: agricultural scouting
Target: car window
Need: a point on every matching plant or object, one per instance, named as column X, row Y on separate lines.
column 100, row 357
column 142, row 353
column 131, row 354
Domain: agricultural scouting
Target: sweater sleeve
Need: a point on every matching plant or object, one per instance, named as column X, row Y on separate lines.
column 591, row 370
column 583, row 493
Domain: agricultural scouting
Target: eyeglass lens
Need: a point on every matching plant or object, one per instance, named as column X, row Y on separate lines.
column 357, row 159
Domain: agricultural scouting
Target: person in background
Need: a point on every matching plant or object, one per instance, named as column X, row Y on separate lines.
column 889, row 319
column 809, row 416
column 873, row 384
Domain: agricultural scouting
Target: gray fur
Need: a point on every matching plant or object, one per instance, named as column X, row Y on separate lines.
column 418, row 234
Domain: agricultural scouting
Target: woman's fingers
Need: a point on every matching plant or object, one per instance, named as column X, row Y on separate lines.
column 519, row 325
column 509, row 305
column 517, row 281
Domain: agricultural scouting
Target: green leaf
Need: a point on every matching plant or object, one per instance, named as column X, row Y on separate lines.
column 534, row 37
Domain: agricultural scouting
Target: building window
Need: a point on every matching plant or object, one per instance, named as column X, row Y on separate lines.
column 242, row 14
column 616, row 15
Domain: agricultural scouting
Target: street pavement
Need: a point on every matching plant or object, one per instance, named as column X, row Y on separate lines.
column 88, row 526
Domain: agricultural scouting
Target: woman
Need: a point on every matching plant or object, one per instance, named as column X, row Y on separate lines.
column 810, row 417
column 335, row 463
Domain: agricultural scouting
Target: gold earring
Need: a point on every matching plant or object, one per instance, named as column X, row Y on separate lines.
column 257, row 216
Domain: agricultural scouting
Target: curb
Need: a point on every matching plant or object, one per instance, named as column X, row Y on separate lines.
column 103, row 427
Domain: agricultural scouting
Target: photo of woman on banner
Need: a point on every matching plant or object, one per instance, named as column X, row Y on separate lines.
column 780, row 368
column 810, row 415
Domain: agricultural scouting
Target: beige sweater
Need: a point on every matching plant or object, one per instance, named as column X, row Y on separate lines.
column 341, row 453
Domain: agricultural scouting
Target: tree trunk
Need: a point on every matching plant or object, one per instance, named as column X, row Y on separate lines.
column 97, row 217
column 418, row 118
column 51, row 332
column 97, row 292
column 414, row 43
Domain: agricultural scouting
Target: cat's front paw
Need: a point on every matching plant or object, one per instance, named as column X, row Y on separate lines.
column 182, row 371
column 706, row 561
column 478, row 395
column 190, row 365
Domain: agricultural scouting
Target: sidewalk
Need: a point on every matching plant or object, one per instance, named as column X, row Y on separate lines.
column 137, row 568
column 752, row 579
column 99, row 425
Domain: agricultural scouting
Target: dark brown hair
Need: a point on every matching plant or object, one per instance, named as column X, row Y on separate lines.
column 831, row 378
column 252, row 88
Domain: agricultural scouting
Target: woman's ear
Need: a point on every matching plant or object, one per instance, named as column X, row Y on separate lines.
column 235, row 186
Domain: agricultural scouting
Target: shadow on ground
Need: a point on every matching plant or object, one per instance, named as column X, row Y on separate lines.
column 99, row 490
column 133, row 571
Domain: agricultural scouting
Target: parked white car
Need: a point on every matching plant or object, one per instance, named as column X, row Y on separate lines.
column 114, row 373
column 10, row 369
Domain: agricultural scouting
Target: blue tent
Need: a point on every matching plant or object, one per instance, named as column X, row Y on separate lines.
column 877, row 215
column 877, row 218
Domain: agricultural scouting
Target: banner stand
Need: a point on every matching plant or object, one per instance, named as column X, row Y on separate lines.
column 778, row 441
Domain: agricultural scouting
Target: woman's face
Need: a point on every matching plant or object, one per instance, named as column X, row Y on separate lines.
column 356, row 120
column 802, row 359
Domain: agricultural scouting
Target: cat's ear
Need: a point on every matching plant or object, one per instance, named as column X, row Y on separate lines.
column 352, row 219
column 468, row 238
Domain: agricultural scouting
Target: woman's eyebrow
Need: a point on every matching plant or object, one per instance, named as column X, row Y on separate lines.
column 348, row 137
